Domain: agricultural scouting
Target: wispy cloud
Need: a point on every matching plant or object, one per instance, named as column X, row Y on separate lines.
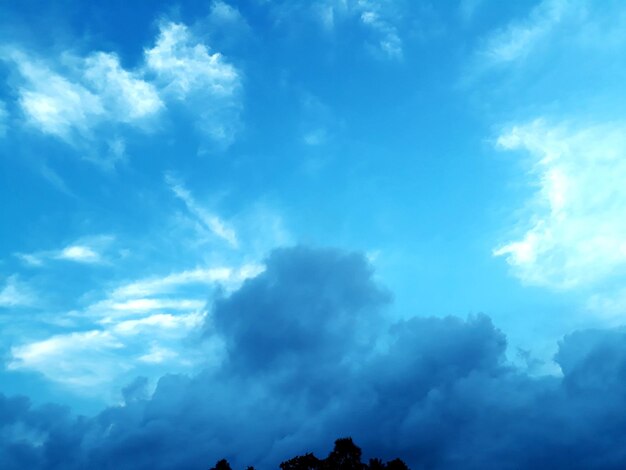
column 518, row 39
column 55, row 104
column 128, row 97
column 372, row 17
column 169, row 283
column 211, row 221
column 185, row 69
column 14, row 293
column 86, row 100
column 82, row 359
column 574, row 227
column 165, row 309
column 87, row 250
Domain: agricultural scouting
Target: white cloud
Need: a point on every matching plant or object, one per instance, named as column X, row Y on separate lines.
column 158, row 355
column 169, row 283
column 85, row 100
column 222, row 12
column 15, row 294
column 379, row 17
column 574, row 230
column 183, row 66
column 81, row 359
column 609, row 306
column 389, row 43
column 160, row 321
column 80, row 254
column 519, row 39
column 186, row 70
column 126, row 95
column 113, row 310
column 87, row 250
column 211, row 221
column 54, row 104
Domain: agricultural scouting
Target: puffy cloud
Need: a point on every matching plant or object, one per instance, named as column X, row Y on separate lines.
column 574, row 230
column 307, row 306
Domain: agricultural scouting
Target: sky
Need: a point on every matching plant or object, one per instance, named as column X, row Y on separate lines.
column 244, row 229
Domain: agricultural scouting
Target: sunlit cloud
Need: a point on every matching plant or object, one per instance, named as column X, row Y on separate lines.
column 573, row 231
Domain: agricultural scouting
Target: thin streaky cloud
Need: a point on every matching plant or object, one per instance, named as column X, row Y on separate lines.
column 211, row 221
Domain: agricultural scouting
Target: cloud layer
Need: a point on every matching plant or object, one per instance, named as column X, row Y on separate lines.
column 309, row 358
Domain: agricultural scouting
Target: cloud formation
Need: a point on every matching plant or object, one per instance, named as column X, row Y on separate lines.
column 308, row 360
column 575, row 233
column 89, row 101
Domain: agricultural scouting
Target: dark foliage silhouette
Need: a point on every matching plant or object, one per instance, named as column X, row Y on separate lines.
column 345, row 456
column 222, row 465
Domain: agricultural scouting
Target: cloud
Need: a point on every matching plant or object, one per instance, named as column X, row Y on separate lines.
column 381, row 21
column 111, row 341
column 210, row 221
column 186, row 70
column 81, row 359
column 302, row 367
column 86, row 250
column 129, row 97
column 169, row 283
column 79, row 253
column 89, row 101
column 308, row 304
column 54, row 104
column 371, row 16
column 519, row 39
column 15, row 294
column 574, row 230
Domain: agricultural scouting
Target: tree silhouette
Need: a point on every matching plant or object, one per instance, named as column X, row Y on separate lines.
column 302, row 462
column 376, row 464
column 222, row 465
column 346, row 455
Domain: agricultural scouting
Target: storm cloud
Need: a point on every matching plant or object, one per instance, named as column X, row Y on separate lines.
column 310, row 356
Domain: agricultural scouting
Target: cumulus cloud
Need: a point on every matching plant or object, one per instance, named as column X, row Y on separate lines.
column 573, row 230
column 303, row 366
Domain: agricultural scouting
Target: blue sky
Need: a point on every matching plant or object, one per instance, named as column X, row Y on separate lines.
column 154, row 156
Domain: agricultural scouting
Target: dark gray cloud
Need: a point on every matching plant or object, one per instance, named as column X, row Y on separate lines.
column 311, row 358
